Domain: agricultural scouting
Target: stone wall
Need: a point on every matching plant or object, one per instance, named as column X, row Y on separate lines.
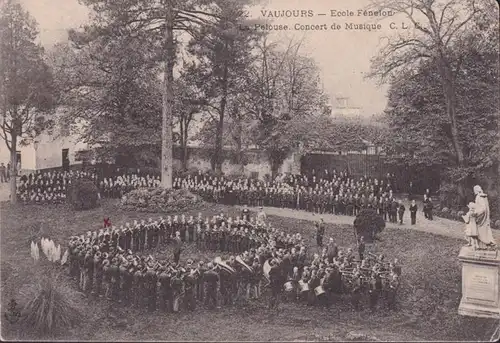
column 255, row 163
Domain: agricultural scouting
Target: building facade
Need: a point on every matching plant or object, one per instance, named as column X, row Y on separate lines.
column 55, row 149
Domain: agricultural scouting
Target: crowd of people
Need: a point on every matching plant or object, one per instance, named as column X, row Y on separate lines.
column 47, row 187
column 117, row 186
column 332, row 193
column 336, row 194
column 112, row 263
column 51, row 187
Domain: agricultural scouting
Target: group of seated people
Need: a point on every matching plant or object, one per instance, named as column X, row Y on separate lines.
column 112, row 263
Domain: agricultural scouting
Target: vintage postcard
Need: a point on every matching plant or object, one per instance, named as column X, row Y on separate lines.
column 249, row 170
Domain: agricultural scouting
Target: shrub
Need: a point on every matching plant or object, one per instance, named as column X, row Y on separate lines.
column 448, row 195
column 82, row 194
column 160, row 200
column 50, row 307
column 368, row 224
column 445, row 210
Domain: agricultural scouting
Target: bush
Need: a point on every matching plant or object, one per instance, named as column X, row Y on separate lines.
column 448, row 195
column 445, row 210
column 50, row 307
column 82, row 194
column 368, row 224
column 160, row 200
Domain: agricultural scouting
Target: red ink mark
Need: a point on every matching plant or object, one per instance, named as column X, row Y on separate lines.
column 107, row 223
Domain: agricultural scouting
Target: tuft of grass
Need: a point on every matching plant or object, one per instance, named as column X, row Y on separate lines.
column 50, row 308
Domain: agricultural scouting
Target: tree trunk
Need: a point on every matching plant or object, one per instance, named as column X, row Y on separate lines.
column 184, row 147
column 13, row 168
column 218, row 156
column 168, row 98
column 238, row 141
column 275, row 166
column 450, row 98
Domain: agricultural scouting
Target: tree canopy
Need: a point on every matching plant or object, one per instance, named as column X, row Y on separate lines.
column 421, row 131
column 440, row 34
column 26, row 85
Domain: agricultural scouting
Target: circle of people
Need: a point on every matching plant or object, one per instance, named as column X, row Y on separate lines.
column 112, row 263
column 333, row 194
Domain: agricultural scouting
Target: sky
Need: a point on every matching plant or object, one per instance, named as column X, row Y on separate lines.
column 343, row 56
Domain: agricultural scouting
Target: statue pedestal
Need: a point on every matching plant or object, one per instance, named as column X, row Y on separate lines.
column 480, row 283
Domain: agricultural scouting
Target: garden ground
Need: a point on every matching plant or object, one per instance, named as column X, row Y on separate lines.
column 429, row 294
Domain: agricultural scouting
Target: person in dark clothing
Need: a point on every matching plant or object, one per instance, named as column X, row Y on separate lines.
column 394, row 211
column 361, row 248
column 430, row 207
column 401, row 211
column 276, row 284
column 150, row 280
column 210, row 280
column 165, row 291
column 189, row 292
column 413, row 212
column 3, row 173
column 245, row 213
column 426, row 207
column 177, row 247
column 320, row 232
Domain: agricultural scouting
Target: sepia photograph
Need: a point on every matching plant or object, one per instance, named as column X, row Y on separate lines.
column 249, row 170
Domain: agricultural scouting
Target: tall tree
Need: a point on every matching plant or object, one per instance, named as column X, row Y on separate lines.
column 155, row 20
column 417, row 114
column 110, row 93
column 283, row 84
column 224, row 52
column 25, row 82
column 187, row 104
column 438, row 26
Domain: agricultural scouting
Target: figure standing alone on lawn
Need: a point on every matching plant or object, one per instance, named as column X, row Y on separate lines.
column 478, row 229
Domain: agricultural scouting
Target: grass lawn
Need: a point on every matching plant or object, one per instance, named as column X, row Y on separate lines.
column 428, row 299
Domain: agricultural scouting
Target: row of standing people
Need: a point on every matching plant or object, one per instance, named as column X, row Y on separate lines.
column 104, row 268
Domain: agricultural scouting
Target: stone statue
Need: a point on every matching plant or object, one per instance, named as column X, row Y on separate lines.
column 478, row 229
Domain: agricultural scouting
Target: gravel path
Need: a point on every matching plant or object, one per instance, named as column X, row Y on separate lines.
column 438, row 226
